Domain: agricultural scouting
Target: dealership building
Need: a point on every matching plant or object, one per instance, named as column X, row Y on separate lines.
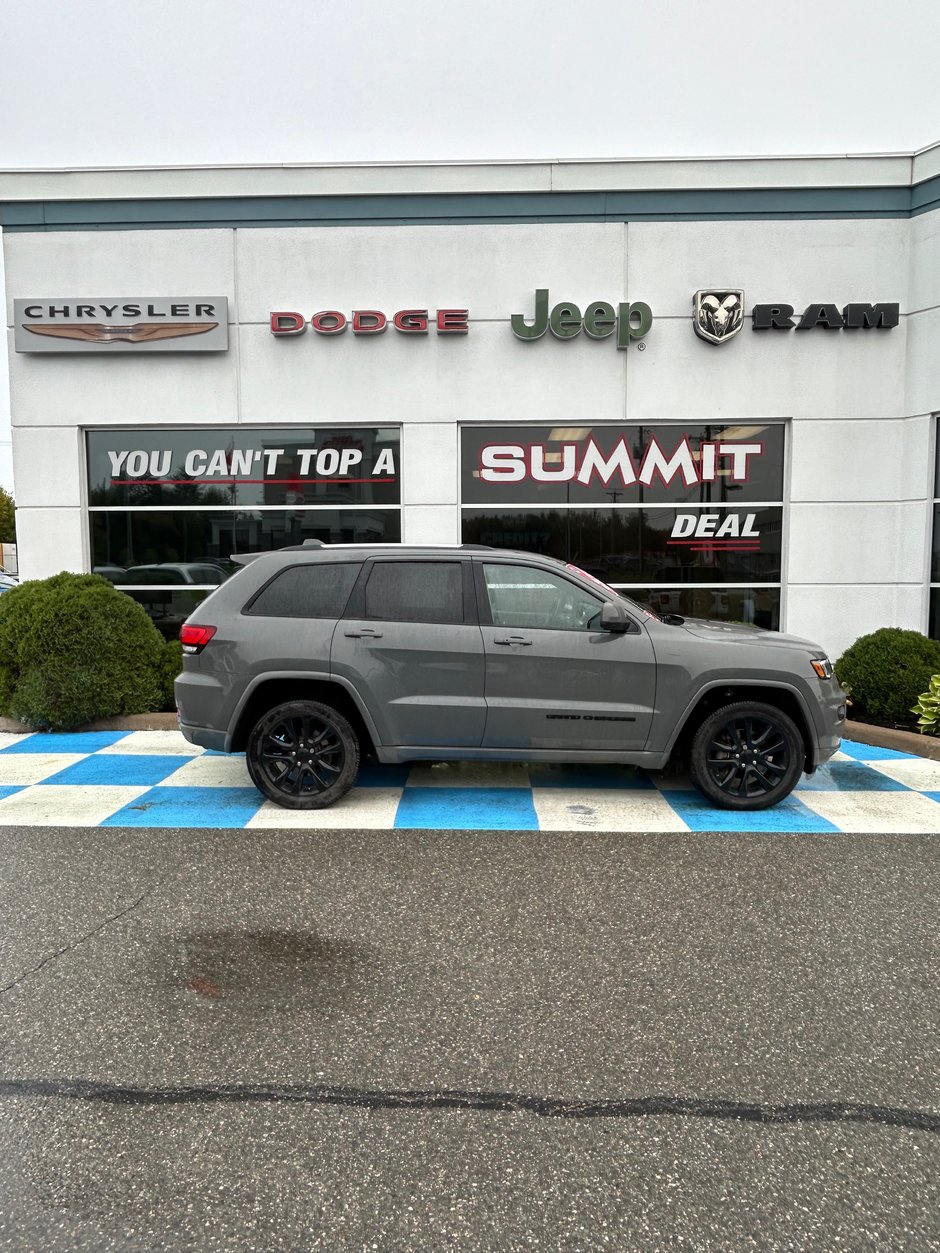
column 710, row 383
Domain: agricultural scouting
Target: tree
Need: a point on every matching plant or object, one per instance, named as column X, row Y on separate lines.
column 7, row 517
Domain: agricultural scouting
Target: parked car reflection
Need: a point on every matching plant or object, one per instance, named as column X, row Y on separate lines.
column 169, row 591
column 169, row 572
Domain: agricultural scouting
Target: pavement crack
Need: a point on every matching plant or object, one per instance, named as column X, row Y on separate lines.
column 768, row 1114
column 83, row 939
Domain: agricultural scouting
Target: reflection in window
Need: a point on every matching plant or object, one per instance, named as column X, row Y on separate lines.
column 522, row 597
column 754, row 606
column 639, row 545
column 681, row 505
column 705, row 463
column 186, row 542
column 244, row 466
column 168, row 607
column 165, row 552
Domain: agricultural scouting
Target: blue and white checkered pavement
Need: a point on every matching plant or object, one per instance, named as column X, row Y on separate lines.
column 156, row 779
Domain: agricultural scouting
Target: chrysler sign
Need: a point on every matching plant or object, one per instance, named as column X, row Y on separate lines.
column 115, row 325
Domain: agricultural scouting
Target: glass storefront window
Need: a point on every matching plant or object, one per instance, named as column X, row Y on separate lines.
column 638, row 545
column 654, row 509
column 756, row 606
column 244, row 466
column 128, row 544
column 169, row 607
column 168, row 509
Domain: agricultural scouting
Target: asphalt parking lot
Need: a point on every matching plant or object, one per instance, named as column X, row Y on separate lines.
column 421, row 1039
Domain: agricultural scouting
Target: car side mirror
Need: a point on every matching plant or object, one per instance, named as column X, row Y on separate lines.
column 614, row 617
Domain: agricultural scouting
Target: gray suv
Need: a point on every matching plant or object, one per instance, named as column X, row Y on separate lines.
column 310, row 658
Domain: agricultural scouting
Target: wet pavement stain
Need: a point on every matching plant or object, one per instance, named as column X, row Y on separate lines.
column 202, row 987
column 243, row 967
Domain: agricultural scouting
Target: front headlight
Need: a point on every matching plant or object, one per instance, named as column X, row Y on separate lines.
column 822, row 666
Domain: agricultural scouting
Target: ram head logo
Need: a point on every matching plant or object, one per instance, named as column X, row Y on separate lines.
column 718, row 314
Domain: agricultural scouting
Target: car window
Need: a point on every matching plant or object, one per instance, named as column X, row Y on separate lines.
column 318, row 590
column 153, row 574
column 415, row 591
column 206, row 574
column 522, row 596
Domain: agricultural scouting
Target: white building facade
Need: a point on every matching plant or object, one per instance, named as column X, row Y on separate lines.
column 712, row 384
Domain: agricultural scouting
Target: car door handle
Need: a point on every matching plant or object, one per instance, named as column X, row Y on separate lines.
column 513, row 639
column 364, row 633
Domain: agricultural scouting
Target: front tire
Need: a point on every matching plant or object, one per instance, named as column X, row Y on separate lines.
column 746, row 755
column 303, row 755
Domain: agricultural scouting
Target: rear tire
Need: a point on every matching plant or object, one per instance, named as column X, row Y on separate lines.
column 303, row 755
column 747, row 755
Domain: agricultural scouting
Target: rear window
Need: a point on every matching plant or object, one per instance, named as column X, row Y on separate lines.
column 308, row 591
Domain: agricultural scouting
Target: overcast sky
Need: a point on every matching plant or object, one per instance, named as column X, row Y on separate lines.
column 139, row 82
column 152, row 82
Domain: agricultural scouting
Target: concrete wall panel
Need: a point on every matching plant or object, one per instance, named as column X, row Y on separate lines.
column 166, row 388
column 835, row 617
column 48, row 467
column 50, row 540
column 430, row 457
column 795, row 262
column 119, row 263
column 491, row 270
column 431, row 524
column 924, row 262
column 809, row 374
column 861, row 460
column 922, row 377
column 487, row 375
column 858, row 543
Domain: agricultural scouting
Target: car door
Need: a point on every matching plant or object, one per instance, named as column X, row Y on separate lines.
column 411, row 645
column 554, row 680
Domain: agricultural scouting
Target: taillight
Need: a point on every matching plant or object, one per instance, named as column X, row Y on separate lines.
column 195, row 638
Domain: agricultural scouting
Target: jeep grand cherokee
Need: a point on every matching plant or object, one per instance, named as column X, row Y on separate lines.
column 310, row 658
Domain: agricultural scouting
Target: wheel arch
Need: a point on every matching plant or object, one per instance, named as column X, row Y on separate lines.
column 786, row 699
column 272, row 690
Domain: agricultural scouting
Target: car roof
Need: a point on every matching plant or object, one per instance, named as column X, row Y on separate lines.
column 319, row 551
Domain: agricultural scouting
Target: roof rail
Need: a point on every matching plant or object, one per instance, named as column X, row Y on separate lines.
column 480, row 548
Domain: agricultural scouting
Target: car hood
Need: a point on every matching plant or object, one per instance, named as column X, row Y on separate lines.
column 730, row 632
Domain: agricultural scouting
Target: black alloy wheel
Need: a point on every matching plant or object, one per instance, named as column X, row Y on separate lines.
column 747, row 755
column 303, row 755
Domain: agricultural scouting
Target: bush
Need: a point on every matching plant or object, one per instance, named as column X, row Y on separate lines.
column 928, row 709
column 73, row 649
column 884, row 673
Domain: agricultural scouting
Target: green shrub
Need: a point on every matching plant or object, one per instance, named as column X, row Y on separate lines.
column 928, row 708
column 73, row 649
column 884, row 673
column 171, row 663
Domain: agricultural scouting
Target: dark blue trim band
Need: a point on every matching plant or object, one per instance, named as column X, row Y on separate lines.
column 925, row 196
column 431, row 209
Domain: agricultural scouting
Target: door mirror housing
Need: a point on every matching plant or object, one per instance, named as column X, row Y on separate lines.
column 614, row 618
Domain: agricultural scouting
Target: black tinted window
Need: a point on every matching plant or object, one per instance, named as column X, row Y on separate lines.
column 415, row 591
column 310, row 591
